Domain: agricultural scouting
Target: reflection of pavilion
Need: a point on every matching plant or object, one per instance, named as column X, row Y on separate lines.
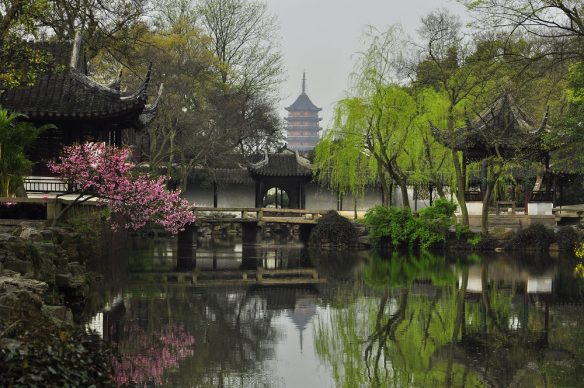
column 504, row 346
column 497, row 273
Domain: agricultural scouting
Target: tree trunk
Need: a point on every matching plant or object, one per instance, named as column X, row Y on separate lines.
column 485, row 211
column 460, row 185
column 440, row 190
column 404, row 190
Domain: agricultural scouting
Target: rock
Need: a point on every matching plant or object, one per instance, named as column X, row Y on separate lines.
column 554, row 247
column 77, row 269
column 20, row 266
column 23, row 309
column 499, row 249
column 31, row 234
column 6, row 237
column 60, row 314
column 364, row 240
column 47, row 234
column 70, row 281
column 63, row 280
column 10, row 284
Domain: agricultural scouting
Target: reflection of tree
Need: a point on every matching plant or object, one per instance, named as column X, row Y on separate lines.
column 385, row 327
column 231, row 328
column 148, row 355
column 389, row 340
column 403, row 270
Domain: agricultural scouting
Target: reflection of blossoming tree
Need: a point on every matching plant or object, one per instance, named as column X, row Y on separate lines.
column 144, row 359
column 579, row 251
column 97, row 170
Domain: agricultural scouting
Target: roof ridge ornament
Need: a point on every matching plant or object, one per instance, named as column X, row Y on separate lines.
column 142, row 91
column 261, row 163
column 302, row 160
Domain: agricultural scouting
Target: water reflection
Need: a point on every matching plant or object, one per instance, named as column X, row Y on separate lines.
column 380, row 320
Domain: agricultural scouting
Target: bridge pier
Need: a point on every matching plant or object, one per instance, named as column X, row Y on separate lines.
column 251, row 233
column 188, row 236
column 305, row 230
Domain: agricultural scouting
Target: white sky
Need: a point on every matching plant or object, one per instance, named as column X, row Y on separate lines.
column 322, row 36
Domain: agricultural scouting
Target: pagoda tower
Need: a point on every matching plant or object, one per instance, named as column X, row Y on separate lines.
column 302, row 129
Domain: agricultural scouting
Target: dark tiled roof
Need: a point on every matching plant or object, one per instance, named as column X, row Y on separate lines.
column 303, row 103
column 221, row 176
column 282, row 164
column 70, row 94
column 503, row 124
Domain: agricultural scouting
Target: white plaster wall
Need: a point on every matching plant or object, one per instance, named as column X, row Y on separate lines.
column 235, row 196
column 200, row 196
column 474, row 208
column 227, row 196
column 370, row 199
column 540, row 208
column 319, row 198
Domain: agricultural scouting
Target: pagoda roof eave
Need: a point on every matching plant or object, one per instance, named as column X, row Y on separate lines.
column 303, row 104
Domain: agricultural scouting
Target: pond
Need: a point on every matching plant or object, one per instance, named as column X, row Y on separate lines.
column 379, row 320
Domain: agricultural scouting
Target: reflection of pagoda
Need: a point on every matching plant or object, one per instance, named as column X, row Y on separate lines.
column 302, row 129
column 302, row 314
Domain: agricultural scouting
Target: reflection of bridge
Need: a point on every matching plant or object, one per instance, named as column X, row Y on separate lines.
column 259, row 277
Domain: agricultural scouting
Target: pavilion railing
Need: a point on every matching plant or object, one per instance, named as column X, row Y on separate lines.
column 541, row 196
column 45, row 185
column 473, row 195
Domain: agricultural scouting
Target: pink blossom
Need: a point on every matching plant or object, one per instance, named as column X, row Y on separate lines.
column 102, row 171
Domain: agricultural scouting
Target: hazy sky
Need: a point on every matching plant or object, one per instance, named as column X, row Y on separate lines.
column 321, row 37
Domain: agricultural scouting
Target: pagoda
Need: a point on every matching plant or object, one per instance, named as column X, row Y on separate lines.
column 302, row 129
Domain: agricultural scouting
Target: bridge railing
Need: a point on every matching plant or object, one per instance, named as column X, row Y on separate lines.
column 261, row 214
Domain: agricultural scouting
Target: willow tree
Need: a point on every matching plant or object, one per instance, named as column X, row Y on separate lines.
column 371, row 127
column 449, row 65
column 367, row 142
column 384, row 139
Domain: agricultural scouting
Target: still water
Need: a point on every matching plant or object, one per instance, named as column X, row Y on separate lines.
column 379, row 320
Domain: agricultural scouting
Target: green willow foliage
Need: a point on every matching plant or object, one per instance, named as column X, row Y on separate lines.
column 402, row 227
column 381, row 132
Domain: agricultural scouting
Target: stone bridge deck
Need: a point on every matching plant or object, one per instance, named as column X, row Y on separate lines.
column 258, row 215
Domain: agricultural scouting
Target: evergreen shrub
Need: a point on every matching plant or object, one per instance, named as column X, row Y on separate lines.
column 402, row 227
column 534, row 237
column 567, row 238
column 334, row 229
column 65, row 360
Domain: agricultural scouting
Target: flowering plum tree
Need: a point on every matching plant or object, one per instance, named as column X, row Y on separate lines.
column 95, row 170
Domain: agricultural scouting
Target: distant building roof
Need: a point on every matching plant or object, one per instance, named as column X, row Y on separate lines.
column 303, row 103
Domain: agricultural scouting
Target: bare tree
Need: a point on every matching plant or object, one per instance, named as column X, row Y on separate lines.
column 559, row 24
column 244, row 39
